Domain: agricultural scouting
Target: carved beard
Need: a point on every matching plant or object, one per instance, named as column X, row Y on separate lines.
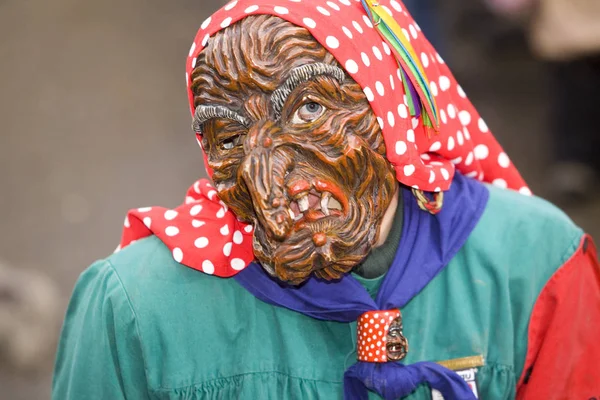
column 325, row 240
column 315, row 192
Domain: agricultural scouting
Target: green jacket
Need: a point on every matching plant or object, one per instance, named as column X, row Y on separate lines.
column 141, row 326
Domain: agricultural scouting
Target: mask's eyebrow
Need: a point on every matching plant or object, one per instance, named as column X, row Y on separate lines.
column 300, row 75
column 204, row 113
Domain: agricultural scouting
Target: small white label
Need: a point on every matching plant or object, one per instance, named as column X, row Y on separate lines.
column 468, row 375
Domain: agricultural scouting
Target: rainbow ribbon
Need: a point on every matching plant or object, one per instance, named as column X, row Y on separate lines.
column 408, row 60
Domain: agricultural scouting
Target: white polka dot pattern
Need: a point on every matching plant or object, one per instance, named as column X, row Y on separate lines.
column 191, row 234
column 371, row 332
column 205, row 235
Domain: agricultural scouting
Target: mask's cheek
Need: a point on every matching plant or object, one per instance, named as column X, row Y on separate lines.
column 230, row 187
column 239, row 201
column 228, row 182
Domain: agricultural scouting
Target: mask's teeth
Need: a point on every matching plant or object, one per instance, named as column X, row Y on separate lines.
column 325, row 197
column 303, row 203
column 294, row 216
column 334, row 204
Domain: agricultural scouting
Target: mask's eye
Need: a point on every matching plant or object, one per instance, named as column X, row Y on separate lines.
column 230, row 143
column 309, row 112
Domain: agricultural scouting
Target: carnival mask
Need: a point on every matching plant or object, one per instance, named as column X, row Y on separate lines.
column 294, row 146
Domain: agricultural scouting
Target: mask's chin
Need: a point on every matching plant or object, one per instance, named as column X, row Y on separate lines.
column 327, row 247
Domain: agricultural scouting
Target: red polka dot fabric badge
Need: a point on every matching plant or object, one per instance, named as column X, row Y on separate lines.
column 202, row 233
column 372, row 331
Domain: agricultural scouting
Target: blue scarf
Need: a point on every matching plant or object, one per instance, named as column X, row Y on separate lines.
column 427, row 245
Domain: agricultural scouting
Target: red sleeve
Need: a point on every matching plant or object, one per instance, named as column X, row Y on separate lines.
column 563, row 355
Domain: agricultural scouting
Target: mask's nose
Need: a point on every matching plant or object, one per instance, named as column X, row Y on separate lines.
column 263, row 170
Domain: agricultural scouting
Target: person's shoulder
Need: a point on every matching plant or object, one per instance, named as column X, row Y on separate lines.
column 523, row 205
column 157, row 284
column 519, row 227
column 142, row 260
column 530, row 214
column 149, row 261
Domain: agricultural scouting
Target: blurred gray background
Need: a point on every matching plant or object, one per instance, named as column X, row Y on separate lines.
column 95, row 121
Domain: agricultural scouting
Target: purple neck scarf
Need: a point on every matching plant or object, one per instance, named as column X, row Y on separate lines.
column 427, row 245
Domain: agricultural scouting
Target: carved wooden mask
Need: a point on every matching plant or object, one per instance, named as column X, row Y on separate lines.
column 294, row 146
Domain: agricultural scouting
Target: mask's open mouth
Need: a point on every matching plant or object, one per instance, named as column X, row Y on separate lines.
column 311, row 201
column 395, row 348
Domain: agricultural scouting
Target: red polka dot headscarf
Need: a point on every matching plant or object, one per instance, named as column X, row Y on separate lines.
column 422, row 158
column 203, row 234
